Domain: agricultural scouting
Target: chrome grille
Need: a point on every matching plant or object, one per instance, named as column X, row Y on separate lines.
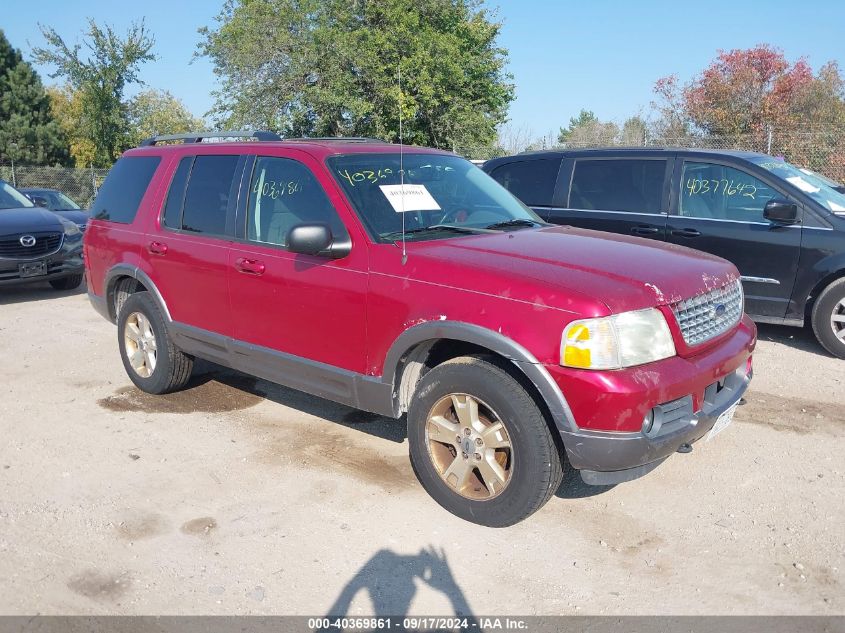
column 45, row 244
column 708, row 315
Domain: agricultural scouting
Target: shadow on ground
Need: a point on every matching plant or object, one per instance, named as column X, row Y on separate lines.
column 390, row 580
column 800, row 338
column 38, row 291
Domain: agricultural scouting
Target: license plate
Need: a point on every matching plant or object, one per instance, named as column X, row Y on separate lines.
column 722, row 423
column 32, row 269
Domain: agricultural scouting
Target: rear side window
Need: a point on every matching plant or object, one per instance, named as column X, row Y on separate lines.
column 629, row 185
column 532, row 181
column 207, row 195
column 176, row 195
column 121, row 193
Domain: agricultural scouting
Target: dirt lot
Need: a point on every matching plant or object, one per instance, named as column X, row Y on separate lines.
column 239, row 496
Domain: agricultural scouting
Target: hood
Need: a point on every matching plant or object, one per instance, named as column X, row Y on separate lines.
column 25, row 219
column 76, row 216
column 624, row 273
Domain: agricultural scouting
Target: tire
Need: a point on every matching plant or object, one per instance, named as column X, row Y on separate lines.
column 162, row 367
column 829, row 318
column 67, row 283
column 530, row 466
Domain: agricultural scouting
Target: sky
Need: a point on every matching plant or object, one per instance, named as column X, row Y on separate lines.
column 600, row 55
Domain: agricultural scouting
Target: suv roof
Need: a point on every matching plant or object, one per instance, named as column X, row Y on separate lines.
column 636, row 150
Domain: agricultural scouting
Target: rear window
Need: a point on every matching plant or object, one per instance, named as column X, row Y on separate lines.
column 121, row 193
column 532, row 181
column 207, row 197
column 629, row 185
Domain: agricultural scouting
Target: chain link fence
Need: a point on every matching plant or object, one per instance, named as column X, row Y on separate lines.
column 79, row 184
column 821, row 151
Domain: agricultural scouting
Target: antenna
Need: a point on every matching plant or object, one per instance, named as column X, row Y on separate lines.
column 402, row 169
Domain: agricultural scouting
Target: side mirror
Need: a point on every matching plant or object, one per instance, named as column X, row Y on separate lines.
column 316, row 239
column 781, row 211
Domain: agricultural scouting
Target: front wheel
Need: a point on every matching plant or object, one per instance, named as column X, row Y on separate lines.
column 67, row 283
column 479, row 443
column 829, row 318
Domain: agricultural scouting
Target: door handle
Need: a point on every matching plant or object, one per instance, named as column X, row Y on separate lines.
column 686, row 233
column 644, row 230
column 157, row 248
column 249, row 266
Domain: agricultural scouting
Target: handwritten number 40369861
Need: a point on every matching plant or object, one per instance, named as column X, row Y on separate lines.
column 724, row 186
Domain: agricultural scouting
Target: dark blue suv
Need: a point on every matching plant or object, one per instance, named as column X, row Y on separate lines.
column 782, row 226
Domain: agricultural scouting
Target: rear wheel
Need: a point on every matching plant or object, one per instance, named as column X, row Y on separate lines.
column 67, row 283
column 151, row 360
column 479, row 443
column 829, row 318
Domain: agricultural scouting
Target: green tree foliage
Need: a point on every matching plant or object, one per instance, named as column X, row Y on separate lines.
column 100, row 74
column 330, row 67
column 585, row 118
column 28, row 132
column 155, row 112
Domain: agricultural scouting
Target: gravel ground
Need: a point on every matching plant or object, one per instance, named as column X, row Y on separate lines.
column 241, row 497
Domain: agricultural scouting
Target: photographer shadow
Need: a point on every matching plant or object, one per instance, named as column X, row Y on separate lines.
column 389, row 579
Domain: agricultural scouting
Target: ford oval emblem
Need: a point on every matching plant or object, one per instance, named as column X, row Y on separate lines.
column 27, row 240
column 719, row 310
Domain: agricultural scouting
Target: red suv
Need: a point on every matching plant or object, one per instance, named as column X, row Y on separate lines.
column 407, row 281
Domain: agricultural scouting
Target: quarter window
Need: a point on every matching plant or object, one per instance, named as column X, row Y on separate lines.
column 283, row 194
column 532, row 181
column 207, row 195
column 629, row 185
column 719, row 192
column 121, row 193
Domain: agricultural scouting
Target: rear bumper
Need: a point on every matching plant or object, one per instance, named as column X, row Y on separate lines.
column 608, row 442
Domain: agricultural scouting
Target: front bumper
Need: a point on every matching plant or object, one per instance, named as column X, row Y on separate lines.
column 608, row 443
column 58, row 265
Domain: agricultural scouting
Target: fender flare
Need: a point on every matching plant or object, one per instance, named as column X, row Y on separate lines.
column 125, row 270
column 524, row 360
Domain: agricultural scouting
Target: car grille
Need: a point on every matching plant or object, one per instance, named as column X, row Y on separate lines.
column 710, row 314
column 45, row 244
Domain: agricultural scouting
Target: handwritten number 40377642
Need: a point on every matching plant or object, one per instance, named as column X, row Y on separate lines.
column 724, row 186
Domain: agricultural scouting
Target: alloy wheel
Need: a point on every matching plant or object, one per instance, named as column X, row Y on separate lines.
column 469, row 446
column 140, row 343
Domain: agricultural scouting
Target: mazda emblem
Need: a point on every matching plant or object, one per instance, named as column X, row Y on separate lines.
column 27, row 240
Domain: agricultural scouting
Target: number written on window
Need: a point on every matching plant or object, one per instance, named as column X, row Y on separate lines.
column 724, row 186
column 276, row 189
column 365, row 175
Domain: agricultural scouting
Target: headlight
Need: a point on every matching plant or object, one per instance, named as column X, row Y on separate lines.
column 71, row 228
column 621, row 340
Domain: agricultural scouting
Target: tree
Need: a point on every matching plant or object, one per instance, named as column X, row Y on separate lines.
column 155, row 112
column 100, row 76
column 584, row 118
column 67, row 108
column 750, row 92
column 633, row 131
column 28, row 132
column 331, row 67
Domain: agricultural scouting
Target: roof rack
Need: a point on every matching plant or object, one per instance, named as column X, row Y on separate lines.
column 337, row 139
column 197, row 137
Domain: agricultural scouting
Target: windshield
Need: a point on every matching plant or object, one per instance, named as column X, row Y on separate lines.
column 11, row 198
column 808, row 182
column 443, row 196
column 54, row 199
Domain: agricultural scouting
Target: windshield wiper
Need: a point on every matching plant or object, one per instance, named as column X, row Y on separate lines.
column 515, row 222
column 451, row 228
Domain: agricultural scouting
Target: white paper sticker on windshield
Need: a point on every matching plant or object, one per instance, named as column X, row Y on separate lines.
column 409, row 198
column 802, row 184
column 835, row 207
